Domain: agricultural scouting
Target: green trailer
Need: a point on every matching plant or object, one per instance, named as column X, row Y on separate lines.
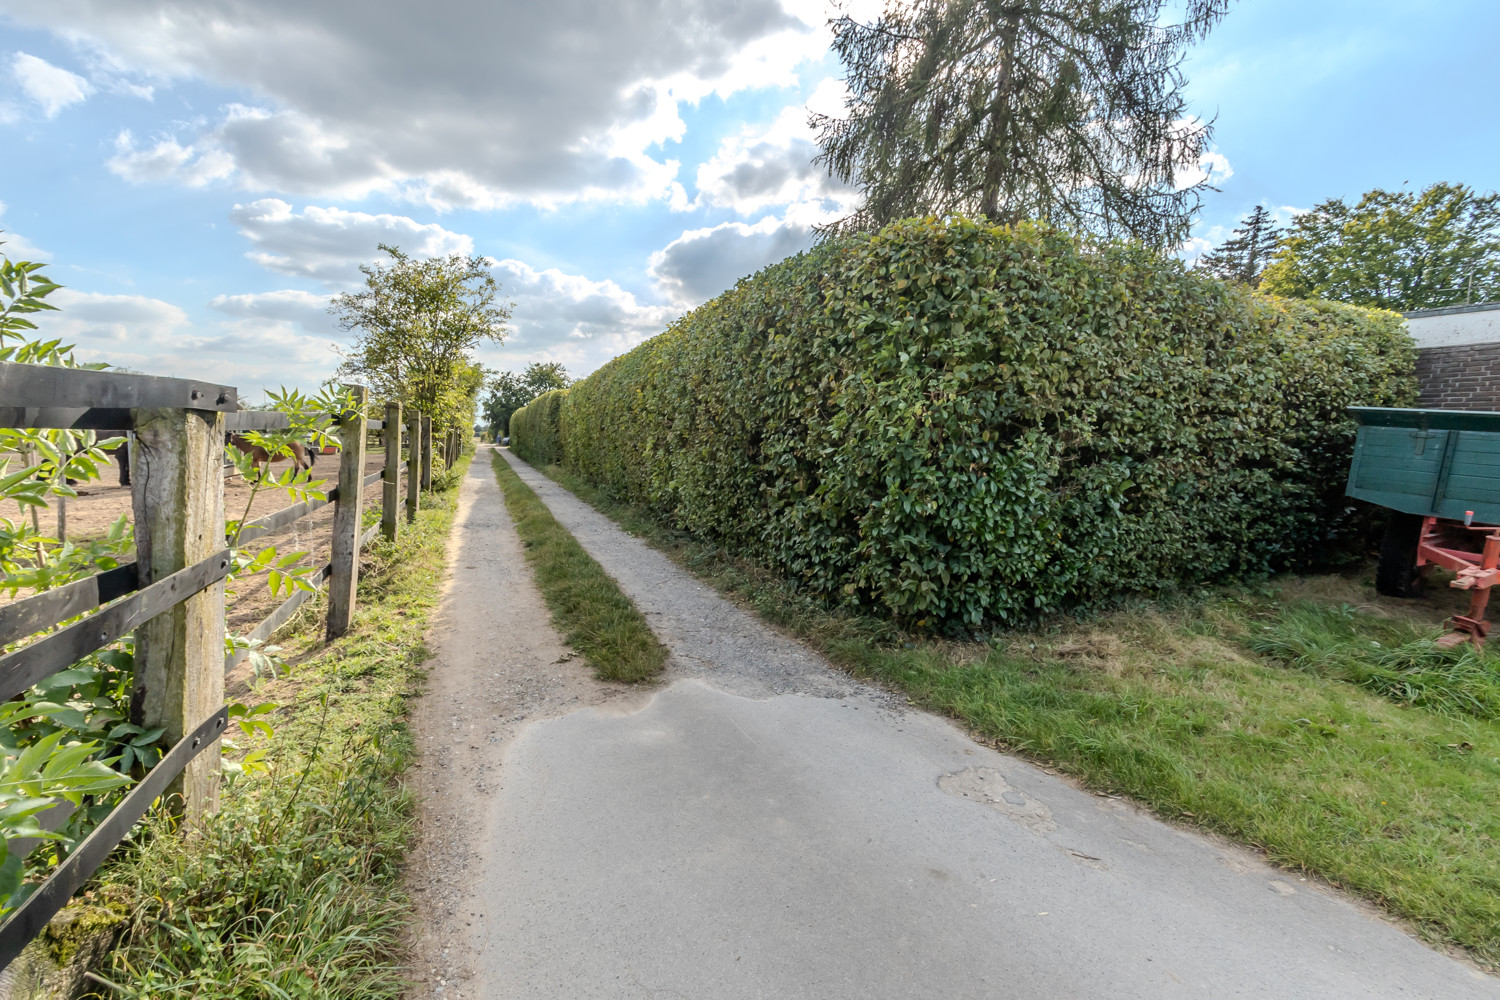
column 1439, row 472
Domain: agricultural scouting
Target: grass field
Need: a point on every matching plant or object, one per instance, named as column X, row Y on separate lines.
column 294, row 889
column 1306, row 717
column 587, row 606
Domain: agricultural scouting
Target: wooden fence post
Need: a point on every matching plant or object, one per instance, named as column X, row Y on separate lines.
column 413, row 464
column 390, row 488
column 426, row 452
column 177, row 490
column 346, row 511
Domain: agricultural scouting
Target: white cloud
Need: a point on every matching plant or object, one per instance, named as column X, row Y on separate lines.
column 289, row 305
column 158, row 337
column 329, row 244
column 53, row 87
column 1212, row 166
column 570, row 318
column 772, row 166
column 1285, row 215
column 1196, row 246
column 18, row 247
column 477, row 106
column 556, row 317
column 701, row 263
column 115, row 328
column 168, row 160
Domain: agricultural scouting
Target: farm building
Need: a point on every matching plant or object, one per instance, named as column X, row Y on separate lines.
column 1458, row 356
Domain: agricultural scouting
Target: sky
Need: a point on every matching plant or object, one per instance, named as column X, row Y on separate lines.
column 203, row 175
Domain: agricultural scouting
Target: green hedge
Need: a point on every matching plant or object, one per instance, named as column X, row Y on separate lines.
column 955, row 423
column 534, row 429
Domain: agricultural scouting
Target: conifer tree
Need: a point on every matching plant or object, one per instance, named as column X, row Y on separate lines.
column 1244, row 256
column 1067, row 111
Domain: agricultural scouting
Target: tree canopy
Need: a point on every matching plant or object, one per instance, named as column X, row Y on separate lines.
column 1244, row 256
column 1399, row 250
column 417, row 324
column 1067, row 111
column 510, row 391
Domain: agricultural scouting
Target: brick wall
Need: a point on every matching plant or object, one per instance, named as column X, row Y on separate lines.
column 1459, row 378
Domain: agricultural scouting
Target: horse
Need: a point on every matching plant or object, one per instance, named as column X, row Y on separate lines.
column 302, row 456
column 120, row 453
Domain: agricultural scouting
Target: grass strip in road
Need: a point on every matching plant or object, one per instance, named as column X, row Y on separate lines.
column 587, row 606
column 294, row 889
column 1310, row 719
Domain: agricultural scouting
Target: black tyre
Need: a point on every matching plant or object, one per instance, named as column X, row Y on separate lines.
column 1396, row 575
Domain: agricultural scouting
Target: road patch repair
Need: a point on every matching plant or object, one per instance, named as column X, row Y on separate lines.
column 761, row 825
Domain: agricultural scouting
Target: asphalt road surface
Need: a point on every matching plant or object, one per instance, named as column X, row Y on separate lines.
column 760, row 825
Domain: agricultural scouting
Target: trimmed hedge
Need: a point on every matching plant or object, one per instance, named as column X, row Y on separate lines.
column 956, row 423
column 534, row 429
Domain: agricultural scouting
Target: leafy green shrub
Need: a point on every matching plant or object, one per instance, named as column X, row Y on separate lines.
column 955, row 423
column 535, row 429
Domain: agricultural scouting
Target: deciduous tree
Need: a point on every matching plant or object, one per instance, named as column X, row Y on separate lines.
column 1068, row 111
column 510, row 391
column 417, row 324
column 1397, row 250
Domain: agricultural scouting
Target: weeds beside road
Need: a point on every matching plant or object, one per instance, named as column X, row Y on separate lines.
column 1310, row 719
column 293, row 889
column 587, row 605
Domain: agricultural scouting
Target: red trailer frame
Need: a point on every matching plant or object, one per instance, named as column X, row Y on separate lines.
column 1476, row 572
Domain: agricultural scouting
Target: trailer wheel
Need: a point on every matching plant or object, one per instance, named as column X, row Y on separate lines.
column 1396, row 574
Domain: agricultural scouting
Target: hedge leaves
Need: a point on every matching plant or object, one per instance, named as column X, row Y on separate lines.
column 955, row 423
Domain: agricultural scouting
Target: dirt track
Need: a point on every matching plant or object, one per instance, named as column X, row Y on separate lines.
column 497, row 666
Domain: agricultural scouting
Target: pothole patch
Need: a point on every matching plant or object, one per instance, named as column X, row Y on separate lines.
column 988, row 786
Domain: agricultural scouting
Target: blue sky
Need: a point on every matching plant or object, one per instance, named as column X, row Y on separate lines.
column 204, row 175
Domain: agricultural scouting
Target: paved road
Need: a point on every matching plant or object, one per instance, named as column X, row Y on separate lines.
column 764, row 827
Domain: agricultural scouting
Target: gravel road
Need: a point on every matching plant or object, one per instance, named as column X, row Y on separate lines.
column 761, row 825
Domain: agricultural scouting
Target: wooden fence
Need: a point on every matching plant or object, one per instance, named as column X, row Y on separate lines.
column 172, row 595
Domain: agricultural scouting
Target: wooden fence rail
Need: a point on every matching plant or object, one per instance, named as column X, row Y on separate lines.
column 172, row 595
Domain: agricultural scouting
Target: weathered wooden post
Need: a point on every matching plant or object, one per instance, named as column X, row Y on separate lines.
column 177, row 489
column 413, row 464
column 426, row 452
column 345, row 573
column 390, row 487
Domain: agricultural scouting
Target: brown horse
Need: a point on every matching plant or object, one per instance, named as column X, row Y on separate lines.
column 302, row 456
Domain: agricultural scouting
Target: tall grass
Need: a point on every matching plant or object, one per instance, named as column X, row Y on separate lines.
column 1391, row 657
column 294, row 888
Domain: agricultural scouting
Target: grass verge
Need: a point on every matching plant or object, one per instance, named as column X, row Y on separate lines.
column 1310, row 719
column 587, row 606
column 294, row 888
